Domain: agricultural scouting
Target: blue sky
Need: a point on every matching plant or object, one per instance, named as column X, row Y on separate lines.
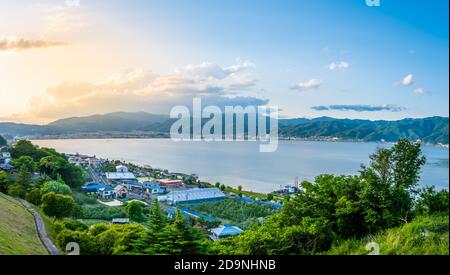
column 310, row 58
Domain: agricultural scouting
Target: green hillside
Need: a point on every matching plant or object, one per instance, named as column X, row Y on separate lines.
column 423, row 236
column 18, row 235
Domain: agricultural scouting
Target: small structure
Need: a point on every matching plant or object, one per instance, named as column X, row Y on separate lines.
column 121, row 169
column 153, row 187
column 120, row 192
column 120, row 221
column 224, row 231
column 5, row 160
column 106, row 192
column 169, row 182
column 92, row 188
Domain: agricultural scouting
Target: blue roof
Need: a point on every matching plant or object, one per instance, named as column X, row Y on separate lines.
column 226, row 230
column 93, row 187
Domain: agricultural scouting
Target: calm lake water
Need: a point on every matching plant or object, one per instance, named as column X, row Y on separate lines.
column 241, row 163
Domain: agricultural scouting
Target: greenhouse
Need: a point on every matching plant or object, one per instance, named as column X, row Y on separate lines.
column 194, row 195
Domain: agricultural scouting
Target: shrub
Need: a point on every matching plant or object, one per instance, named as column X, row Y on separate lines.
column 34, row 196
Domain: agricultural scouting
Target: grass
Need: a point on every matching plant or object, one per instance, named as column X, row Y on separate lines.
column 426, row 235
column 18, row 234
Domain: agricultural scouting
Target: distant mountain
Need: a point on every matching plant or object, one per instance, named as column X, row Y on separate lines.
column 112, row 122
column 430, row 130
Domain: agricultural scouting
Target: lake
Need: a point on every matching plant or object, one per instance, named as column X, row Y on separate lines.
column 241, row 163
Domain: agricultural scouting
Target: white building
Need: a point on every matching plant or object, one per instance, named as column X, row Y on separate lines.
column 121, row 169
column 194, row 195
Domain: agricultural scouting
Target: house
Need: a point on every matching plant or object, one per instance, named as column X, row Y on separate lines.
column 121, row 169
column 120, row 192
column 224, row 231
column 121, row 178
column 153, row 187
column 120, row 221
column 106, row 193
column 5, row 161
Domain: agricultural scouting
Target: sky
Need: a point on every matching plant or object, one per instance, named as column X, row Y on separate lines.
column 309, row 58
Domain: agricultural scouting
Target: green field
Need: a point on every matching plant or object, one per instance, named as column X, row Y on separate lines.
column 18, row 235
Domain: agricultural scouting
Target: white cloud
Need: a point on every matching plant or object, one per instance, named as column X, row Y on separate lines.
column 407, row 80
column 343, row 65
column 21, row 44
column 420, row 90
column 141, row 90
column 307, row 85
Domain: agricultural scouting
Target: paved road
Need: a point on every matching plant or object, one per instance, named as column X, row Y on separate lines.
column 41, row 229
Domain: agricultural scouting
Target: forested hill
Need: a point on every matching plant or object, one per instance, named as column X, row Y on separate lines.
column 431, row 130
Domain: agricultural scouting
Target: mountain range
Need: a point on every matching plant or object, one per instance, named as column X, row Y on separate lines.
column 430, row 130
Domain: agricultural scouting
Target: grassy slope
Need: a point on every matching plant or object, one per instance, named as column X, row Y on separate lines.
column 18, row 234
column 424, row 236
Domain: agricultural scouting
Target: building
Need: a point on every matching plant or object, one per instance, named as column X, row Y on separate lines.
column 224, row 231
column 169, row 182
column 92, row 188
column 106, row 193
column 153, row 187
column 5, row 161
column 120, row 192
column 120, row 221
column 193, row 195
column 121, row 178
column 121, row 169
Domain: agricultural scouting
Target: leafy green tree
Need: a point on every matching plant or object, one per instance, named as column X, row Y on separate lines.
column 430, row 201
column 25, row 161
column 3, row 182
column 56, row 187
column 269, row 197
column 57, row 205
column 24, row 148
column 16, row 190
column 135, row 211
column 34, row 196
column 223, row 187
column 217, row 184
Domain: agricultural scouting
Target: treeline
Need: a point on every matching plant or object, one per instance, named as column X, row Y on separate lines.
column 335, row 208
column 159, row 236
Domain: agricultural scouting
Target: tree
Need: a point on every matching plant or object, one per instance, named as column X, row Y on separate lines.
column 217, row 185
column 430, row 201
column 16, row 190
column 57, row 205
column 150, row 241
column 25, row 161
column 24, row 148
column 23, row 178
column 3, row 141
column 134, row 210
column 223, row 187
column 34, row 196
column 3, row 181
column 269, row 197
column 181, row 239
column 56, row 187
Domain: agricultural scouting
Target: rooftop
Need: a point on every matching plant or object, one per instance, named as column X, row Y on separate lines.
column 120, row 176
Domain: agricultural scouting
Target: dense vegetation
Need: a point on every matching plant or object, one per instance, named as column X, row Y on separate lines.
column 425, row 235
column 338, row 208
column 2, row 141
column 234, row 211
column 432, row 130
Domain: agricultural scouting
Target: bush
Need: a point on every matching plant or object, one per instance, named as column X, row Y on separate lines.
column 102, row 213
column 57, row 205
column 16, row 190
column 34, row 196
column 81, row 199
column 56, row 187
